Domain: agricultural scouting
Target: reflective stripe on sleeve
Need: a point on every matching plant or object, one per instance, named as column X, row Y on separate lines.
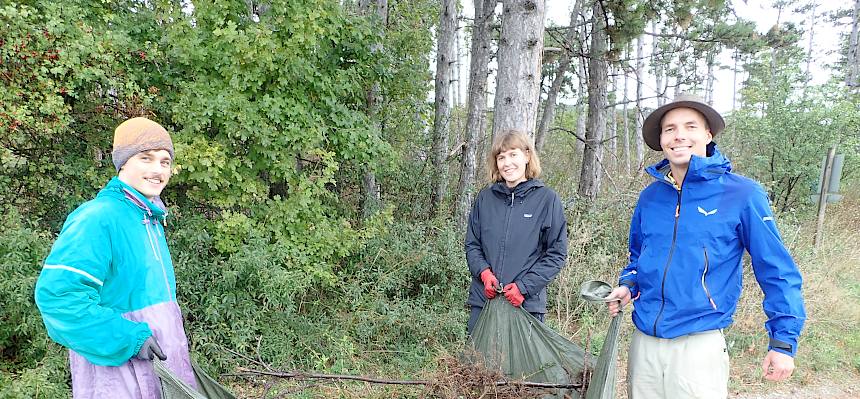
column 73, row 270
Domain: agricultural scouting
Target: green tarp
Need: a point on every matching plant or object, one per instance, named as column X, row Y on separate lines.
column 602, row 385
column 174, row 388
column 511, row 339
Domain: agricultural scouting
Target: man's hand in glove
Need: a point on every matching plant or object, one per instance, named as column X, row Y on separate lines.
column 513, row 295
column 150, row 350
column 490, row 283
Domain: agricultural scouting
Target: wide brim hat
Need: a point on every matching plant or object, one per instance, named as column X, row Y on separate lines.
column 651, row 128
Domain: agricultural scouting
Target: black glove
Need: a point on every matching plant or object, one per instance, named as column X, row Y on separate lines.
column 150, row 350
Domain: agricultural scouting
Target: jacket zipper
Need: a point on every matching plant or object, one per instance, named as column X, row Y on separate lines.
column 705, row 286
column 669, row 260
column 156, row 249
column 507, row 232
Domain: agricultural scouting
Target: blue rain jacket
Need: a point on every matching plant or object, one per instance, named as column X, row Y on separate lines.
column 686, row 250
column 521, row 235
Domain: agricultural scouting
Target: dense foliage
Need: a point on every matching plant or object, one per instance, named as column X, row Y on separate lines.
column 270, row 128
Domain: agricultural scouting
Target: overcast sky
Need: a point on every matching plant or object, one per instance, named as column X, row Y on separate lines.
column 826, row 42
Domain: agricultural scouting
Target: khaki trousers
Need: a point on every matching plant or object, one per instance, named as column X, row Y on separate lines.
column 690, row 366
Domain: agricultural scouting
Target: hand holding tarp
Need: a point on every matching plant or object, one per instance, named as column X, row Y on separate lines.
column 617, row 299
column 602, row 385
column 150, row 350
column 490, row 283
column 513, row 295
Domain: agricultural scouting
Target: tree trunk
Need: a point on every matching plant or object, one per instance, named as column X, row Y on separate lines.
column 563, row 66
column 613, row 120
column 591, row 172
column 519, row 58
column 640, row 113
column 852, row 76
column 372, row 201
column 581, row 110
column 709, row 80
column 679, row 73
column 657, row 60
column 458, row 90
column 679, row 49
column 625, row 110
column 773, row 55
column 442, row 120
column 735, row 80
column 476, row 117
column 582, row 98
column 809, row 52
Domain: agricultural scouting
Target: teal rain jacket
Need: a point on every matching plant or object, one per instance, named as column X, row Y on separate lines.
column 106, row 286
column 686, row 249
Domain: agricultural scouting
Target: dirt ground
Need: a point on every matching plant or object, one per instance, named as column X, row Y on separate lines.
column 817, row 390
column 795, row 389
column 820, row 390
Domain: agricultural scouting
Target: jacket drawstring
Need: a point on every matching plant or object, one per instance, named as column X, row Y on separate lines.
column 153, row 243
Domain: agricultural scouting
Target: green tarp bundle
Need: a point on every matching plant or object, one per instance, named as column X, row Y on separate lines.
column 174, row 388
column 511, row 339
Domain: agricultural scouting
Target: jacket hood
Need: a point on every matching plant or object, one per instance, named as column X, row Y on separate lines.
column 714, row 165
column 118, row 189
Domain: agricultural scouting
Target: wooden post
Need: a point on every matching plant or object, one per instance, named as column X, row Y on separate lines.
column 822, row 196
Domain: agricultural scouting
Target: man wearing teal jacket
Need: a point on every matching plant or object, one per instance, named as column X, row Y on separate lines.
column 107, row 290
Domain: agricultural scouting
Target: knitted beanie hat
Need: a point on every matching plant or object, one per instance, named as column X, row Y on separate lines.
column 137, row 135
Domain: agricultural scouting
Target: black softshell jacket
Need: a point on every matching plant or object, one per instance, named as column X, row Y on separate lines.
column 521, row 235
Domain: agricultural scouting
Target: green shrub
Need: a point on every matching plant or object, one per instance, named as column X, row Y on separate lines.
column 401, row 291
column 30, row 365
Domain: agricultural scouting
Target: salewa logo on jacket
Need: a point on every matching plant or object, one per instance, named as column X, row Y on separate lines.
column 707, row 213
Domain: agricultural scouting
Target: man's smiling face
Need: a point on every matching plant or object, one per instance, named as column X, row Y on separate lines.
column 684, row 133
column 147, row 172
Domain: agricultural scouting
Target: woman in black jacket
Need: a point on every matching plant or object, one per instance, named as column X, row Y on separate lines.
column 517, row 234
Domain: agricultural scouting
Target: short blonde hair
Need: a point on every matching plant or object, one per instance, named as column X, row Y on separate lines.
column 509, row 140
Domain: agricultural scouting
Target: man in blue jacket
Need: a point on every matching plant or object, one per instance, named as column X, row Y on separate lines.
column 107, row 290
column 687, row 238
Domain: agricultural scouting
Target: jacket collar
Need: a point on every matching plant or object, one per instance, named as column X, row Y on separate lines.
column 151, row 209
column 712, row 166
column 519, row 190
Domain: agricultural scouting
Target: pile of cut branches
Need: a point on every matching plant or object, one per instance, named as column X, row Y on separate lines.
column 455, row 377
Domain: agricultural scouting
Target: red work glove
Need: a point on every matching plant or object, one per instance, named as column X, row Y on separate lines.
column 513, row 295
column 490, row 283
